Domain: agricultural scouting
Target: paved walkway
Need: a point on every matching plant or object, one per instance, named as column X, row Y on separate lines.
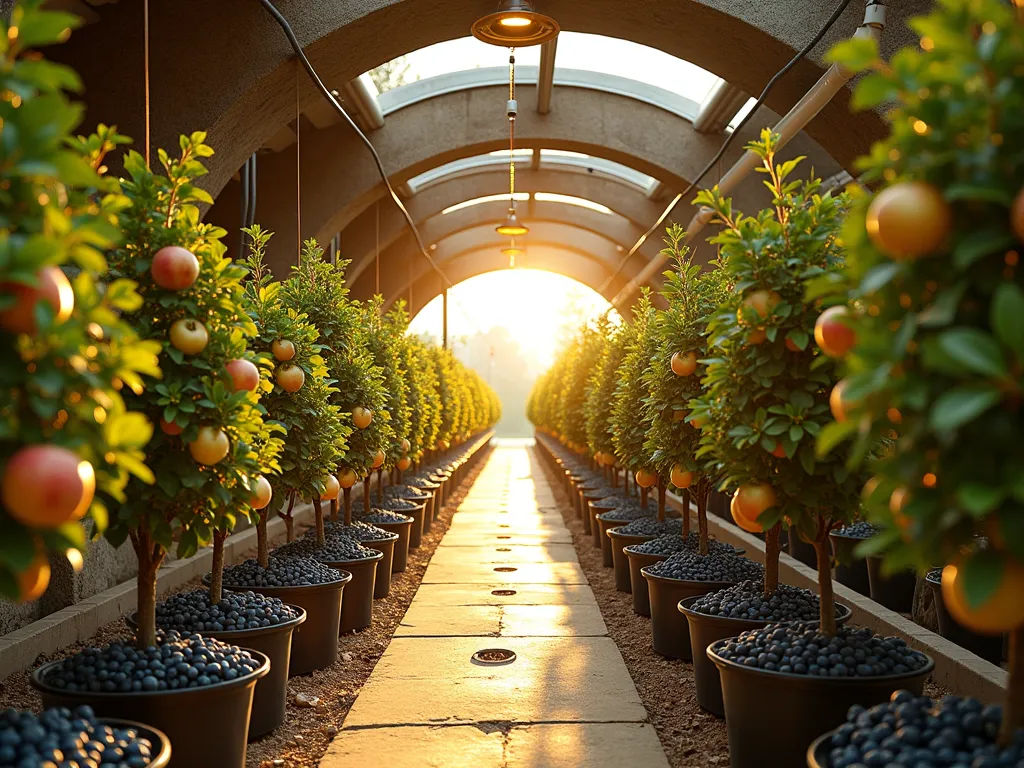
column 566, row 701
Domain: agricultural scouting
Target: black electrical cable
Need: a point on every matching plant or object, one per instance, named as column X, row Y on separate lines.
column 729, row 139
column 290, row 34
column 252, row 190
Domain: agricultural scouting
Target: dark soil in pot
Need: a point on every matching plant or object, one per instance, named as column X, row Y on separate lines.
column 345, row 554
column 617, row 517
column 917, row 731
column 987, row 647
column 719, row 615
column 656, row 550
column 773, row 715
column 221, row 696
column 850, row 570
column 398, row 523
column 375, row 538
column 309, row 584
column 686, row 575
column 896, row 591
column 261, row 623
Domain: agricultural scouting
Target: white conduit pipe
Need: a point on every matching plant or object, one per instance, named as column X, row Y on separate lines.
column 789, row 126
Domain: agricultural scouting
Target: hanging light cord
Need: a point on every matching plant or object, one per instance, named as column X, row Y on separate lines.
column 730, row 138
column 512, row 130
column 297, row 48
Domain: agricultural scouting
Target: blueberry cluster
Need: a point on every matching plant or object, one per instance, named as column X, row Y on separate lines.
column 179, row 661
column 403, row 491
column 746, row 600
column 337, row 549
column 724, row 568
column 280, row 572
column 672, row 543
column 651, row 526
column 861, row 529
column 615, row 500
column 917, row 731
column 803, row 650
column 383, row 516
column 193, row 612
column 625, row 514
column 398, row 505
column 60, row 737
column 357, row 531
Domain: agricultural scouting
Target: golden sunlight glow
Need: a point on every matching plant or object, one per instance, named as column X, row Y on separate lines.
column 515, row 21
column 551, row 197
column 520, row 197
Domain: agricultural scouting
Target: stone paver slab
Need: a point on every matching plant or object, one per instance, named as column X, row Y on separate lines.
column 525, row 594
column 433, row 680
column 503, row 552
column 450, row 621
column 486, row 573
column 608, row 745
column 552, row 621
column 470, row 538
column 417, row 747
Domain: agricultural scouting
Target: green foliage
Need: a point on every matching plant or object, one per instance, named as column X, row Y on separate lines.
column 631, row 390
column 421, row 384
column 188, row 500
column 62, row 385
column 692, row 296
column 601, row 390
column 316, row 433
column 384, row 340
column 421, row 359
column 317, row 290
column 759, row 392
column 581, row 356
column 940, row 344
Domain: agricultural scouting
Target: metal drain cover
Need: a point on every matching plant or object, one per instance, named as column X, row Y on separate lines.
column 503, row 537
column 494, row 657
column 505, row 569
column 503, row 592
column 503, row 549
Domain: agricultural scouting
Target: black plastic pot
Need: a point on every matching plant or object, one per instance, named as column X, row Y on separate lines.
column 669, row 630
column 419, row 521
column 270, row 699
column 595, row 525
column 160, row 756
column 399, row 547
column 895, row 592
column 705, row 630
column 385, row 566
column 986, row 646
column 315, row 641
column 801, row 550
column 637, row 582
column 588, row 513
column 357, row 607
column 850, row 570
column 772, row 717
column 620, row 562
column 607, row 559
column 207, row 726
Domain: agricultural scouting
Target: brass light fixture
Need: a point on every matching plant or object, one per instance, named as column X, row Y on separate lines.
column 515, row 25
column 513, row 252
column 512, row 227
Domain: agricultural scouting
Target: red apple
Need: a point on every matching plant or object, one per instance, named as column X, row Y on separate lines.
column 762, row 303
column 189, row 336
column 362, row 417
column 681, row 476
column 174, row 268
column 210, row 446
column 684, row 363
column 331, row 488
column 347, row 478
column 262, row 493
column 170, row 428
column 53, row 287
column 244, row 375
column 46, row 486
column 290, row 378
column 833, row 332
column 282, row 349
column 909, row 220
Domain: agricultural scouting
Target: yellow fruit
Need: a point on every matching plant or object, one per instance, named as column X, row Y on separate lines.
column 1001, row 612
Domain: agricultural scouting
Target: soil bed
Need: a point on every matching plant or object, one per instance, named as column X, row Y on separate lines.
column 302, row 741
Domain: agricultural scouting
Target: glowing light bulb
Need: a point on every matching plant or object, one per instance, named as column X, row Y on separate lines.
column 515, row 21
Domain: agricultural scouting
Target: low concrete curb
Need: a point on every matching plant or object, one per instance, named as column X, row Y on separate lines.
column 19, row 649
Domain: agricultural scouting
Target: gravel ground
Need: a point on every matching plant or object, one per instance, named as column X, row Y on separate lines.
column 303, row 738
column 691, row 737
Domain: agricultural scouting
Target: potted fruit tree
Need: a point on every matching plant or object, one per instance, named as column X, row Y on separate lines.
column 193, row 305
column 936, row 308
column 425, row 422
column 67, row 441
column 766, row 401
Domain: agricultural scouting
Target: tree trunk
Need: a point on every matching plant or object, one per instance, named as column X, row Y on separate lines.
column 347, row 496
column 643, row 497
column 318, row 516
column 262, row 548
column 772, row 547
column 1013, row 707
column 703, row 492
column 334, row 509
column 625, row 482
column 662, row 491
column 150, row 556
column 686, row 513
column 366, row 494
column 380, row 487
column 217, row 574
column 827, row 597
column 289, row 521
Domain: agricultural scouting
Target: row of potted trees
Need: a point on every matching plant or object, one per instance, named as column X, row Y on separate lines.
column 160, row 393
column 848, row 360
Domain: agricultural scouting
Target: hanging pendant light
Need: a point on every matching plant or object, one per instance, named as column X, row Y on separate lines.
column 515, row 25
column 513, row 252
column 512, row 227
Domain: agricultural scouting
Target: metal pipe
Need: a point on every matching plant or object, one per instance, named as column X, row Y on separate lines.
column 805, row 110
column 720, row 106
column 252, row 190
column 244, row 179
column 444, row 318
column 546, row 76
column 358, row 93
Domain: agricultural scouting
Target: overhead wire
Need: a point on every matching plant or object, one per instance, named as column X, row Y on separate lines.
column 801, row 54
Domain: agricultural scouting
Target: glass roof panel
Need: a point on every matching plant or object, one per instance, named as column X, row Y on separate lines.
column 551, row 197
column 520, row 197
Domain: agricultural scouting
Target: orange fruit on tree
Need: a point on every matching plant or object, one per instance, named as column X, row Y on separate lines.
column 684, row 363
column 210, row 446
column 838, row 402
column 362, row 417
column 909, row 220
column 33, row 581
column 833, row 332
column 681, row 476
column 378, row 460
column 1000, row 612
column 762, row 302
column 645, row 478
column 750, row 500
column 53, row 287
column 347, row 478
column 779, row 451
column 750, row 526
column 757, row 336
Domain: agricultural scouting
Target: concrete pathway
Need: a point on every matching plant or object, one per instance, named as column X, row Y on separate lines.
column 504, row 576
